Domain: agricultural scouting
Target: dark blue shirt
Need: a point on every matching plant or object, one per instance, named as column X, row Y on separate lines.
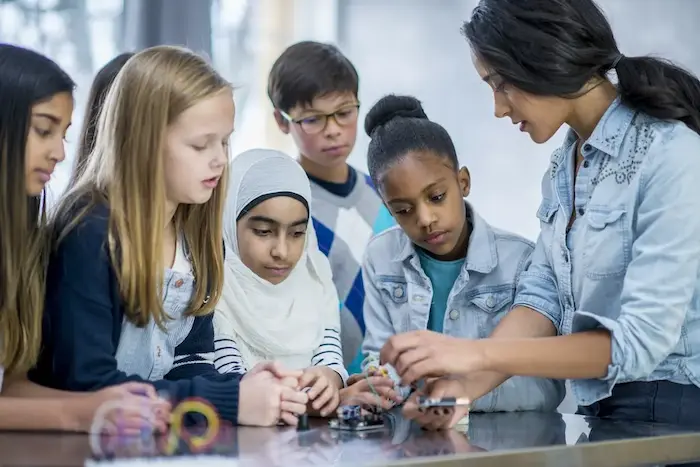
column 83, row 320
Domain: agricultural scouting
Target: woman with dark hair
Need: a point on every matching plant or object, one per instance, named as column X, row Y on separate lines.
column 36, row 103
column 100, row 85
column 611, row 299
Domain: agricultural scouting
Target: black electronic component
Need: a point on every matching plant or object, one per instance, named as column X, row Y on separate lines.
column 303, row 423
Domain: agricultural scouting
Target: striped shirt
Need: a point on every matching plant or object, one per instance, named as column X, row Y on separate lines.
column 228, row 359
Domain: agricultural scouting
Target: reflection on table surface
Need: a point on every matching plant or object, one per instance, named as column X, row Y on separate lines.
column 487, row 434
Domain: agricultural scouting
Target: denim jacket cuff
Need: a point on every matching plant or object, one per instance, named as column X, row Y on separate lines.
column 551, row 312
column 584, row 320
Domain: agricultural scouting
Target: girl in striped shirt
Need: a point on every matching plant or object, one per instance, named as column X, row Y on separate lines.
column 279, row 302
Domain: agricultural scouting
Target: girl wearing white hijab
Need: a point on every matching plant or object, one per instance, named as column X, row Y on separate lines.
column 279, row 302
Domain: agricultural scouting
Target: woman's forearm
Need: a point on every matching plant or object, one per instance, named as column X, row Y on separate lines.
column 582, row 355
column 523, row 322
column 520, row 322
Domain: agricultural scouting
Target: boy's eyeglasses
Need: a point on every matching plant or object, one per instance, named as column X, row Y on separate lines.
column 314, row 124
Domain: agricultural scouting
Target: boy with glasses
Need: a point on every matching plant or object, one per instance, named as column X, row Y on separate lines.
column 313, row 88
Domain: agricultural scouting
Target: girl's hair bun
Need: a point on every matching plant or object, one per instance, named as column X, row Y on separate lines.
column 390, row 107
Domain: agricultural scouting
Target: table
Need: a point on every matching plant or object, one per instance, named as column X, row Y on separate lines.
column 497, row 439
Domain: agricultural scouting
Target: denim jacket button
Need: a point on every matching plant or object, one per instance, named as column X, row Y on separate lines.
column 490, row 302
column 454, row 314
column 178, row 283
column 398, row 292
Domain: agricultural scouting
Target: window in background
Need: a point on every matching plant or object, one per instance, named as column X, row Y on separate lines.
column 231, row 43
column 80, row 35
column 235, row 57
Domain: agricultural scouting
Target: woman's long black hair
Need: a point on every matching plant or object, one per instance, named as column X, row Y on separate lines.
column 554, row 47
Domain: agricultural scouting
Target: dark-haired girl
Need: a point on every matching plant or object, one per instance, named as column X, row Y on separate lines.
column 611, row 300
column 98, row 92
column 443, row 268
column 36, row 103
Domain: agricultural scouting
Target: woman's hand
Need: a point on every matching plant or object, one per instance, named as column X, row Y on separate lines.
column 423, row 354
column 375, row 391
column 323, row 389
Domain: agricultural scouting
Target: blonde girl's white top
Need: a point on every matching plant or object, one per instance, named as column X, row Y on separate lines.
column 295, row 322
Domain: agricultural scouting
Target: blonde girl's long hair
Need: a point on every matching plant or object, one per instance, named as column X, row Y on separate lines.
column 125, row 171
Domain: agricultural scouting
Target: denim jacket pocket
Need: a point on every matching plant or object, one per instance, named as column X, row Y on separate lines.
column 490, row 307
column 394, row 287
column 546, row 213
column 493, row 302
column 394, row 290
column 606, row 249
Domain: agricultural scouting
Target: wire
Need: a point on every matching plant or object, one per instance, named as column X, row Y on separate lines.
column 371, row 371
column 178, row 432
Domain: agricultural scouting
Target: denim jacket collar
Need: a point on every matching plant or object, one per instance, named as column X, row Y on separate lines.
column 607, row 136
column 481, row 253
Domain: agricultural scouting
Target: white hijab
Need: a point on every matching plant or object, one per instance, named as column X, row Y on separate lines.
column 283, row 322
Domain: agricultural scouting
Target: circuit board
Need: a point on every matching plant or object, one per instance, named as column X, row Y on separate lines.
column 356, row 418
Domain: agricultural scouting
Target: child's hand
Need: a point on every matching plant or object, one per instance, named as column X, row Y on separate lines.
column 323, row 384
column 291, row 417
column 375, row 391
column 274, row 369
column 126, row 408
column 374, row 370
column 263, row 400
column 438, row 418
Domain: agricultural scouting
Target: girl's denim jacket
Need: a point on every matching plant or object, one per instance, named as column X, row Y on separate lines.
column 398, row 295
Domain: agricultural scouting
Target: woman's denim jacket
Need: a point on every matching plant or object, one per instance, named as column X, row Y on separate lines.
column 633, row 265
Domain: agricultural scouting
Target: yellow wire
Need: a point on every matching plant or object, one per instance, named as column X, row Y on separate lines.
column 188, row 406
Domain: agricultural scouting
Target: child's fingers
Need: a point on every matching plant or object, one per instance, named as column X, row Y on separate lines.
column 369, row 400
column 332, row 404
column 319, row 386
column 375, row 382
column 411, row 410
column 325, row 396
column 281, row 372
column 389, row 394
column 292, row 395
column 352, row 379
column 129, row 420
column 307, row 378
column 289, row 418
column 140, row 389
column 290, row 382
column 295, row 408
